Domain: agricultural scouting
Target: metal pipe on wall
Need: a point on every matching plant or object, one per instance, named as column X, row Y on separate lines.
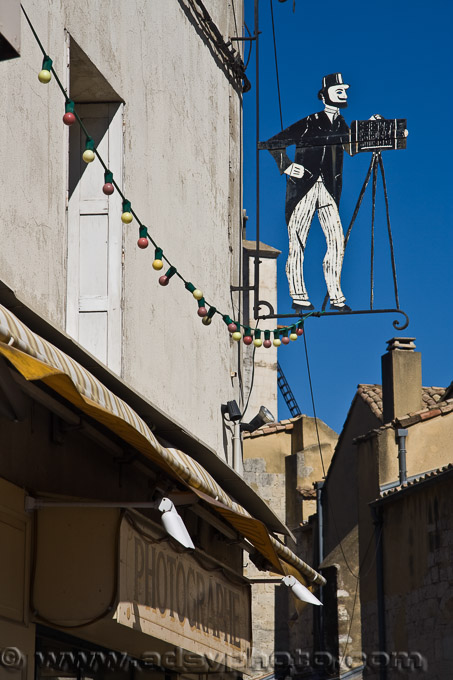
column 401, row 438
column 319, row 611
column 378, row 527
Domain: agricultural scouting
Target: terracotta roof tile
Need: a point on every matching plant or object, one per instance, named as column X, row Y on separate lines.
column 279, row 426
column 430, row 413
column 419, row 479
column 372, row 395
column 306, row 493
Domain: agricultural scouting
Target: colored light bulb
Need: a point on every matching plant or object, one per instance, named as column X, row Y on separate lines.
column 165, row 278
column 88, row 155
column 44, row 76
column 69, row 118
column 197, row 294
column 267, row 343
column 126, row 217
column 202, row 311
column 293, row 336
column 206, row 321
column 108, row 187
column 237, row 335
column 142, row 242
column 257, row 342
column 232, row 327
column 157, row 262
column 277, row 342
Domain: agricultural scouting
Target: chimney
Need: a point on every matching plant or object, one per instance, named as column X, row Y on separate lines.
column 401, row 379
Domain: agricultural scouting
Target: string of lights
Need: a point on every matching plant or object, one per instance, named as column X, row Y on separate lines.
column 281, row 335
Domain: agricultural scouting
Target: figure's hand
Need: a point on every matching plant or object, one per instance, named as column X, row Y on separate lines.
column 295, row 170
column 376, row 116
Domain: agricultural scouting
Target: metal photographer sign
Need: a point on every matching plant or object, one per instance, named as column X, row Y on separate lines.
column 171, row 596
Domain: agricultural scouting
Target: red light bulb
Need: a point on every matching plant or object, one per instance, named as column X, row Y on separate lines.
column 69, row 118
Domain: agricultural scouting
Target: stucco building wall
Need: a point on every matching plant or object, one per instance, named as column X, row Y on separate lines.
column 181, row 171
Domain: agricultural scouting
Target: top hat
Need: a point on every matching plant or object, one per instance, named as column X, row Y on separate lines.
column 333, row 79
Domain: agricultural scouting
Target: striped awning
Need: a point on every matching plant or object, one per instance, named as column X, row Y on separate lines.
column 37, row 359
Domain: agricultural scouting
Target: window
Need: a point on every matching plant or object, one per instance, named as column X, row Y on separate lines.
column 94, row 268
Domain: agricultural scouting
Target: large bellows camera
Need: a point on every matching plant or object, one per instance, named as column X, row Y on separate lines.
column 378, row 135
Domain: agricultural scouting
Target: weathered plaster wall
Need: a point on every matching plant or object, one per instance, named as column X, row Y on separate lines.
column 418, row 548
column 277, row 465
column 428, row 447
column 182, row 160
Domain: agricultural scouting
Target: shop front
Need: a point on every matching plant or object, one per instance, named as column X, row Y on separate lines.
column 113, row 580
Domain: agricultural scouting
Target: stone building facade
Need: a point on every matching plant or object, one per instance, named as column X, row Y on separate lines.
column 122, row 522
column 378, row 525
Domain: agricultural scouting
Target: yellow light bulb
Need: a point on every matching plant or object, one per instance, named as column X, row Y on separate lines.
column 236, row 336
column 277, row 342
column 126, row 217
column 88, row 156
column 44, row 76
column 157, row 265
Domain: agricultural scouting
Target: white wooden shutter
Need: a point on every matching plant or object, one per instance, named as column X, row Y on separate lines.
column 94, row 283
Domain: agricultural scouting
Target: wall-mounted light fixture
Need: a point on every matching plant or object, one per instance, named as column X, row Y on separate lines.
column 262, row 417
column 233, row 411
column 170, row 518
column 300, row 591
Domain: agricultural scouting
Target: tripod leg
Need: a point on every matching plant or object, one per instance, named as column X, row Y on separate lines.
column 354, row 216
column 392, row 253
column 373, row 213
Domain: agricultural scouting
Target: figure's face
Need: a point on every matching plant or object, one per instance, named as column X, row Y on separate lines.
column 338, row 96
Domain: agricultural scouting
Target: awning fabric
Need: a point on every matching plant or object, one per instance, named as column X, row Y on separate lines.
column 37, row 359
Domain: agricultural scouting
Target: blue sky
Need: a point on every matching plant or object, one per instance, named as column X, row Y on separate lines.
column 397, row 58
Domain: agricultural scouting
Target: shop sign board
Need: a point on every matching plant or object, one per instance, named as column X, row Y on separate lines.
column 182, row 598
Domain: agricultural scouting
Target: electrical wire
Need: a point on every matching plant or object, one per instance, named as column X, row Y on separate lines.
column 99, row 157
column 340, row 544
column 116, row 576
column 360, row 573
column 252, row 379
column 234, row 17
column 250, row 46
column 230, row 57
column 350, row 625
column 276, row 64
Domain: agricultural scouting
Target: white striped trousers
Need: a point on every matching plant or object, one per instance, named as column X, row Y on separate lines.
column 318, row 198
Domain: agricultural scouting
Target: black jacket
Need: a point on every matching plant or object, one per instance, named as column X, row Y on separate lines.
column 318, row 148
